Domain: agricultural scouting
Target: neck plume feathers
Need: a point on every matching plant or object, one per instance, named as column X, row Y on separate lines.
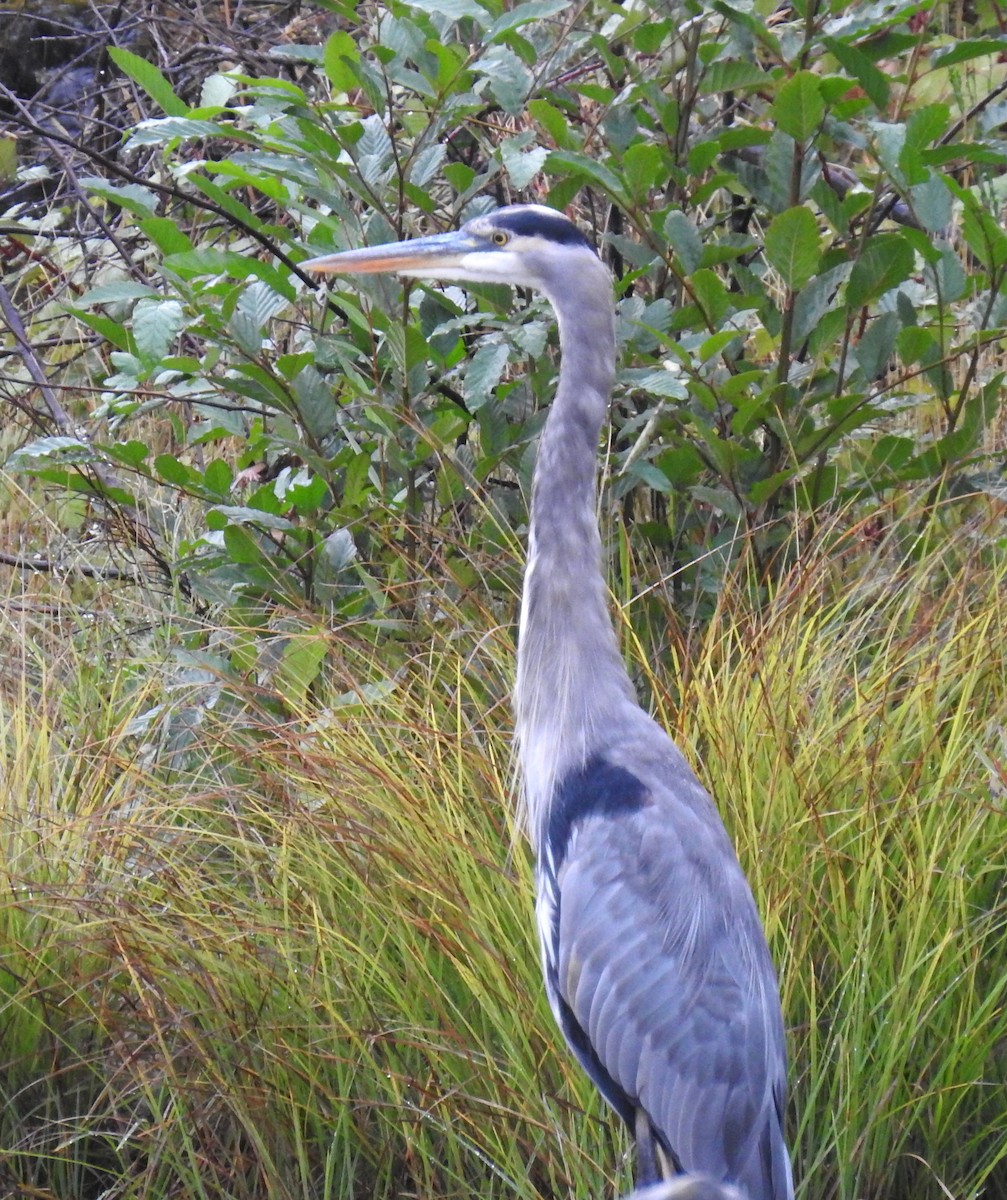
column 572, row 686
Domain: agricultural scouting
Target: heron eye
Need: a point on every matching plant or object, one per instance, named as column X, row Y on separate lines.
column 500, row 238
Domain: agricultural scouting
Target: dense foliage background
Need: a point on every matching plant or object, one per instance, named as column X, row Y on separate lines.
column 266, row 917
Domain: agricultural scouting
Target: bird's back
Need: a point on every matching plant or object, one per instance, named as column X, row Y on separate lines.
column 657, row 966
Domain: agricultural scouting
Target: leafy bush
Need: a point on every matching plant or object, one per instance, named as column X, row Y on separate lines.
column 802, row 214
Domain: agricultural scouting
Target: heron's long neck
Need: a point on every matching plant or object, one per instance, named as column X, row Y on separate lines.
column 571, row 682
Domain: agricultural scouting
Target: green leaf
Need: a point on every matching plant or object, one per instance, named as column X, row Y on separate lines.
column 157, row 131
column 509, row 80
column 731, row 76
column 242, row 547
column 218, row 477
column 172, row 471
column 116, row 293
column 862, row 69
column 644, row 166
column 156, row 325
column 301, row 664
column 138, row 200
column 684, row 240
column 131, row 453
column 314, row 403
column 166, row 235
column 552, row 121
column 963, row 51
column 49, row 450
column 8, row 158
column 483, row 374
column 150, row 79
column 932, row 203
column 982, row 232
column 711, row 295
column 237, row 514
column 520, row 166
column 887, row 260
column 525, row 14
column 586, row 167
column 342, row 61
column 454, row 10
column 792, row 247
column 877, row 345
column 193, row 263
column 799, row 108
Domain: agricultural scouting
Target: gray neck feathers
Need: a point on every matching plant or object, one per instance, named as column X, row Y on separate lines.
column 572, row 687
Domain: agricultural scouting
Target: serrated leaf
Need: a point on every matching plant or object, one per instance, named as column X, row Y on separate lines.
column 241, row 515
column 483, row 374
column 131, row 453
column 654, row 381
column 684, row 240
column 887, row 260
column 877, row 345
column 932, row 203
column 158, row 130
column 300, row 665
column 150, row 79
column 585, row 166
column 862, row 69
column 341, row 60
column 156, row 325
column 374, row 150
column 730, row 76
column 508, row 79
column 525, row 14
column 339, row 549
column 426, row 164
column 133, row 197
column 57, row 449
column 644, row 166
column 792, row 247
column 115, row 293
column 246, row 331
column 522, row 167
column 799, row 108
column 964, row 50
column 552, row 121
column 260, row 302
column 315, row 406
column 454, row 10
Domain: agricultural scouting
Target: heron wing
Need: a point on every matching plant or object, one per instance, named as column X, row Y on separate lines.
column 661, row 977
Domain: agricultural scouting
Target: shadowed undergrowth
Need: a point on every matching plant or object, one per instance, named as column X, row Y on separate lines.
column 296, row 958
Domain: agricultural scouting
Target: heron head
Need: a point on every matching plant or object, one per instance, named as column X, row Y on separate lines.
column 525, row 245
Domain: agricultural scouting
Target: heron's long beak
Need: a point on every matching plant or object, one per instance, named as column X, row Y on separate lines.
column 420, row 258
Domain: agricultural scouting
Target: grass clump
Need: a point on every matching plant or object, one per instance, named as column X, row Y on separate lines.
column 296, row 958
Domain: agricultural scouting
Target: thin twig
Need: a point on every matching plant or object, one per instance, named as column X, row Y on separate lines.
column 24, row 563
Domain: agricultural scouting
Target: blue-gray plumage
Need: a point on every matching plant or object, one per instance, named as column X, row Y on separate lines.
column 655, row 961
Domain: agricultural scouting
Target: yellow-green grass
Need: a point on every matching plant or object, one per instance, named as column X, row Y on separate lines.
column 296, row 958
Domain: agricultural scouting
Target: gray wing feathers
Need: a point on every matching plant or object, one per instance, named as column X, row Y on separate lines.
column 663, row 963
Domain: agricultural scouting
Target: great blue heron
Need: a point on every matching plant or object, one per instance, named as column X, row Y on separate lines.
column 655, row 961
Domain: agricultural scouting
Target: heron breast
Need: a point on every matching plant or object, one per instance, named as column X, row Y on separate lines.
column 598, row 789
